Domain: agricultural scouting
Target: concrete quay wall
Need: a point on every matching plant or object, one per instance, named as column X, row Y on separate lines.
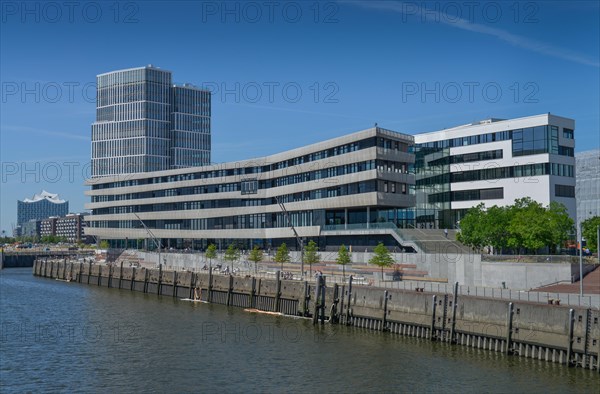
column 555, row 333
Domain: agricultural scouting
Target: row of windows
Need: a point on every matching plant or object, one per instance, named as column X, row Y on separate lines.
column 129, row 129
column 130, row 147
column 133, row 111
column 191, row 101
column 467, row 195
column 133, row 76
column 468, row 157
column 568, row 134
column 128, row 165
column 564, row 191
column 465, row 141
column 526, row 170
column 336, row 191
column 535, row 140
column 232, row 187
column 260, row 167
column 132, row 92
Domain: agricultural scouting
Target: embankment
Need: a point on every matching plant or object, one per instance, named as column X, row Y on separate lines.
column 555, row 333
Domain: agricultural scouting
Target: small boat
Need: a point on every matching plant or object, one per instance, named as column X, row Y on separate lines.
column 63, row 280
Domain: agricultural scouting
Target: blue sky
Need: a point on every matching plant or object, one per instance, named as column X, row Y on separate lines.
column 286, row 74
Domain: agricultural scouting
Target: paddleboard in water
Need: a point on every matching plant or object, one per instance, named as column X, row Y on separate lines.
column 191, row 300
column 253, row 310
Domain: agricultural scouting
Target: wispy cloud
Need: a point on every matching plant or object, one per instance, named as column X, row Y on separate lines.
column 460, row 23
column 25, row 129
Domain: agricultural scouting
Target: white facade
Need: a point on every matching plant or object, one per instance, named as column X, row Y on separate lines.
column 518, row 178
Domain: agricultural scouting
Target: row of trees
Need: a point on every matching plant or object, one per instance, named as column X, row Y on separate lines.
column 381, row 257
column 526, row 226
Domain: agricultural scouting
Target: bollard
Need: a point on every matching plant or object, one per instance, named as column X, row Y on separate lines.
column 278, row 292
column 509, row 324
column 132, row 285
column 432, row 335
column 349, row 300
column 174, row 283
column 253, row 294
column 120, row 275
column 229, row 290
column 454, row 306
column 570, row 343
column 210, row 284
column 385, row 307
column 159, row 282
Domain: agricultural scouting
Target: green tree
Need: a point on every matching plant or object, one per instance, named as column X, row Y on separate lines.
column 559, row 225
column 471, row 227
column 528, row 227
column 256, row 255
column 494, row 227
column 311, row 255
column 211, row 252
column 104, row 244
column 232, row 253
column 282, row 255
column 590, row 232
column 382, row 257
column 344, row 257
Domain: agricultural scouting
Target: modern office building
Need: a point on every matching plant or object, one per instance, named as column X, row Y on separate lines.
column 71, row 227
column 354, row 181
column 363, row 188
column 493, row 162
column 31, row 228
column 145, row 123
column 40, row 206
column 587, row 190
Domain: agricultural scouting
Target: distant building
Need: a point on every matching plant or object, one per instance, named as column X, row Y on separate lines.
column 31, row 228
column 41, row 206
column 587, row 190
column 71, row 227
column 146, row 123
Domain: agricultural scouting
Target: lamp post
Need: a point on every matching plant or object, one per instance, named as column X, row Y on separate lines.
column 580, row 259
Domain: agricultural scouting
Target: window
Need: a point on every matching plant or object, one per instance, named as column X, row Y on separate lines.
column 568, row 133
column 564, row 191
column 249, row 186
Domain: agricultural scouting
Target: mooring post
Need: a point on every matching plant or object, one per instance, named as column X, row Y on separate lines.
column 349, row 301
column 432, row 335
column 132, row 285
column 454, row 306
column 278, row 292
column 210, row 284
column 229, row 290
column 51, row 268
column 89, row 272
column 145, row 280
column 174, row 283
column 191, row 286
column 158, row 285
column 80, row 272
column 110, row 274
column 121, row 275
column 570, row 343
column 385, row 311
column 334, row 308
column 317, row 304
column 323, row 288
column 509, row 325
column 253, row 294
column 99, row 275
column 306, row 300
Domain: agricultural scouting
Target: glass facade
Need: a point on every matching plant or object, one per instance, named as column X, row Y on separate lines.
column 144, row 123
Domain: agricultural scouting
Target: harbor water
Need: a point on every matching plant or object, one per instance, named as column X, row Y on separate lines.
column 65, row 337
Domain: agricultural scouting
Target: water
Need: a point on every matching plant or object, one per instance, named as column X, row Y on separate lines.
column 59, row 336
